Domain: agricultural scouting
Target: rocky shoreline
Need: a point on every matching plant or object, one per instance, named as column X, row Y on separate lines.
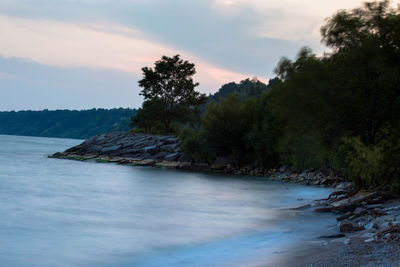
column 163, row 151
column 363, row 217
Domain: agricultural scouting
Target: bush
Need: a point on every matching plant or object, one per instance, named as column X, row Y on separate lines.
column 226, row 125
column 193, row 144
column 363, row 162
column 264, row 135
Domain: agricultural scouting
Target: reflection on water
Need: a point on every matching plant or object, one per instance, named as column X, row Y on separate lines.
column 62, row 213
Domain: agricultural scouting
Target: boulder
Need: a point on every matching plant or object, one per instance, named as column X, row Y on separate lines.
column 160, row 155
column 111, row 149
column 169, row 148
column 151, row 149
column 346, row 227
column 131, row 151
column 172, row 157
column 94, row 149
column 170, row 140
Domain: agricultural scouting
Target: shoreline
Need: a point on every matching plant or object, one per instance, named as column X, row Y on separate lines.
column 367, row 222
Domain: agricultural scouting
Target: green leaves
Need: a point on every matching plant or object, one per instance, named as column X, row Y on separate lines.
column 169, row 96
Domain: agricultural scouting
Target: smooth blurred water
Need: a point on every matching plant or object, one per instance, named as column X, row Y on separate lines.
column 69, row 213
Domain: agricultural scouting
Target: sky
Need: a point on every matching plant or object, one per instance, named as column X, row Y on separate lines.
column 82, row 54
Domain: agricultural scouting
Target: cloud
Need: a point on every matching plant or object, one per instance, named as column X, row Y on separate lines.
column 190, row 26
column 285, row 19
column 228, row 40
column 97, row 45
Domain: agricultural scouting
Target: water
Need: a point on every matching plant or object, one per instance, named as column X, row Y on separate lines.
column 66, row 213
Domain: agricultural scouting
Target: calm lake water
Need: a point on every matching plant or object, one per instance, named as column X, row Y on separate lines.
column 68, row 213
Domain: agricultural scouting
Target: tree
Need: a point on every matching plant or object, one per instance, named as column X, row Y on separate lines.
column 169, row 96
column 366, row 51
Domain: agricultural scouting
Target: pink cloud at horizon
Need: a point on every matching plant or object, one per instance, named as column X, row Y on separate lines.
column 97, row 46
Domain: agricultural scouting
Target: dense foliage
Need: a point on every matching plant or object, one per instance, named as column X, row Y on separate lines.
column 65, row 123
column 169, row 96
column 246, row 88
column 340, row 111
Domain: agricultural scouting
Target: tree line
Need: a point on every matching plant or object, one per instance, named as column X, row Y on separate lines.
column 339, row 111
column 79, row 124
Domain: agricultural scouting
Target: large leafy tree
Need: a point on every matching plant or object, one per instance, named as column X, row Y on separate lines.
column 366, row 56
column 348, row 101
column 169, row 96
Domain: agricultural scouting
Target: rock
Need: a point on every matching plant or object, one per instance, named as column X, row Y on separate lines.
column 169, row 164
column 303, row 174
column 345, row 216
column 341, row 186
column 94, row 149
column 367, row 235
column 131, row 151
column 172, row 157
column 393, row 208
column 359, row 211
column 170, row 140
column 145, row 143
column 332, row 236
column 373, row 206
column 346, row 227
column 184, row 158
column 352, row 201
column 110, row 149
column 169, row 148
column 151, row 149
column 160, row 155
column 146, row 156
column 371, row 225
column 147, row 162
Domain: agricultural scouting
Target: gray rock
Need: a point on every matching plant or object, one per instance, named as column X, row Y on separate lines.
column 172, row 157
column 131, row 151
column 111, row 148
column 146, row 156
column 373, row 206
column 151, row 149
column 341, row 186
column 160, row 155
column 99, row 138
column 359, row 211
column 133, row 156
column 367, row 235
column 94, row 149
column 169, row 148
column 170, row 140
column 132, row 146
column 346, row 227
column 371, row 225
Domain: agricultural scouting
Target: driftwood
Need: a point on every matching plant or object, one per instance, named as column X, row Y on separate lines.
column 345, row 216
column 335, row 195
column 345, row 204
column 393, row 231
